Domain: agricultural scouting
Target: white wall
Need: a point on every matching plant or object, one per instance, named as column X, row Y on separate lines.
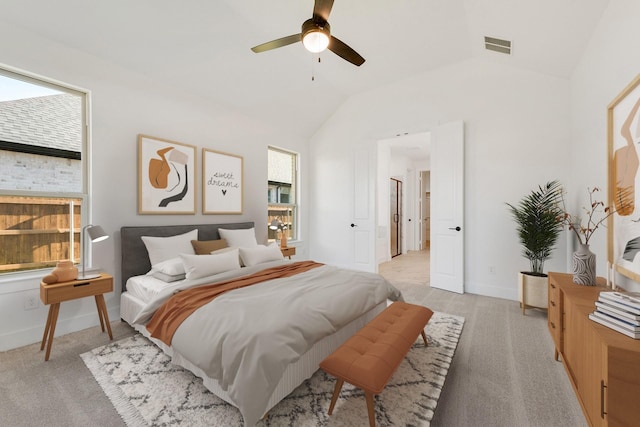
column 125, row 105
column 609, row 64
column 517, row 126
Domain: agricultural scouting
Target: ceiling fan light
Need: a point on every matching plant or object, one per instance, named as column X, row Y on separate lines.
column 316, row 41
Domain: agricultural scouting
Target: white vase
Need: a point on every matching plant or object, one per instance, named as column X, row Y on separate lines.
column 584, row 266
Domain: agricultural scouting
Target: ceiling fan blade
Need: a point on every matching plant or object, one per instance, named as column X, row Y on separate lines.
column 322, row 9
column 274, row 44
column 345, row 52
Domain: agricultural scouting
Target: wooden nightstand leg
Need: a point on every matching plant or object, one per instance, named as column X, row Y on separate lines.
column 46, row 328
column 53, row 313
column 102, row 313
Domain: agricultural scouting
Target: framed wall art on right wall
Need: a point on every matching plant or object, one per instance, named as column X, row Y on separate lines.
column 623, row 135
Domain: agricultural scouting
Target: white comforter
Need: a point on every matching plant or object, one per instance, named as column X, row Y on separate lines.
column 246, row 338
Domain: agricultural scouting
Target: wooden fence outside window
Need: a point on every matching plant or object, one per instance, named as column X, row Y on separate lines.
column 35, row 232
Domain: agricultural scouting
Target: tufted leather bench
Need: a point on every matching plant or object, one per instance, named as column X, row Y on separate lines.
column 370, row 357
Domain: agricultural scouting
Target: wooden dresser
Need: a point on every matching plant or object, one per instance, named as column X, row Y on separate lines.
column 603, row 365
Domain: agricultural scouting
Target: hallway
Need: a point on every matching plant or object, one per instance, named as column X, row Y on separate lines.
column 407, row 270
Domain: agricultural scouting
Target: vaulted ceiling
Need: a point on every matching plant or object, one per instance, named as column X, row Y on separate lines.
column 203, row 47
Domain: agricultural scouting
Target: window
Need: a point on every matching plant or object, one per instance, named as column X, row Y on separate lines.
column 42, row 185
column 282, row 193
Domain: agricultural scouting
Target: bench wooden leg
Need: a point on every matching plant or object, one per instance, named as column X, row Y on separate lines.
column 370, row 408
column 336, row 393
column 424, row 338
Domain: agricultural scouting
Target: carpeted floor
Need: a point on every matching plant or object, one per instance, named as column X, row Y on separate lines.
column 503, row 372
column 147, row 389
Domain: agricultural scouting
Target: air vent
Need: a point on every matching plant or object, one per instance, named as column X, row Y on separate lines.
column 497, row 45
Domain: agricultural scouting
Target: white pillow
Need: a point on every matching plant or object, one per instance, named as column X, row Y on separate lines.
column 259, row 254
column 239, row 238
column 197, row 266
column 224, row 250
column 164, row 248
column 169, row 270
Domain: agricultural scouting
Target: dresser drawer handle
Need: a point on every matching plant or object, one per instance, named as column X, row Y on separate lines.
column 552, row 285
column 553, row 303
column 602, row 411
column 553, row 325
column 81, row 284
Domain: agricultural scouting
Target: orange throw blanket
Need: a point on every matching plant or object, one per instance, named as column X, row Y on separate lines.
column 172, row 313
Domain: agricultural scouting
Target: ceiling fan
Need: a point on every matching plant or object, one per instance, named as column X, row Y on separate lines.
column 316, row 36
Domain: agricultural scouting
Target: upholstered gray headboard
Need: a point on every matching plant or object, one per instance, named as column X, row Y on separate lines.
column 135, row 258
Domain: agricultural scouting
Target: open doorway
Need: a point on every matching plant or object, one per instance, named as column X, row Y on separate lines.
column 395, row 217
column 403, row 164
column 445, row 163
column 425, row 210
column 426, row 220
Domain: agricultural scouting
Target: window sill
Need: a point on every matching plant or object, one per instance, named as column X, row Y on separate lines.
column 22, row 281
column 289, row 243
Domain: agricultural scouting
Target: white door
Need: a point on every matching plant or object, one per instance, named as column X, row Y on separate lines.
column 447, row 215
column 363, row 222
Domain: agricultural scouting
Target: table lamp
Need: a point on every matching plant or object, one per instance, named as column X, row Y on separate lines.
column 94, row 233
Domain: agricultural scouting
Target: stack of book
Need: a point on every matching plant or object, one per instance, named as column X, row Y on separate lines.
column 619, row 311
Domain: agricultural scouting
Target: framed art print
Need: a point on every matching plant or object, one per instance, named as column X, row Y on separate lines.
column 623, row 135
column 221, row 182
column 166, row 176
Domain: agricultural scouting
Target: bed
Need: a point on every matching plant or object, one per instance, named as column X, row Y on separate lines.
column 143, row 295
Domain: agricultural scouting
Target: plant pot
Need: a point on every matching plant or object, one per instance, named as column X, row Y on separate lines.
column 533, row 290
column 584, row 266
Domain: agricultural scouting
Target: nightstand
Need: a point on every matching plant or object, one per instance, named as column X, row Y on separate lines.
column 56, row 293
column 288, row 251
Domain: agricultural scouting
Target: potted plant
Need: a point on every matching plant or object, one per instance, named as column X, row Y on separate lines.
column 539, row 218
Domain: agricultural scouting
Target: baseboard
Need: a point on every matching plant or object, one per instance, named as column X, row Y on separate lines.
column 492, row 291
column 31, row 335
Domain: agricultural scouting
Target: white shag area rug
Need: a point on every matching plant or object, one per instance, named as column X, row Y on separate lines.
column 148, row 390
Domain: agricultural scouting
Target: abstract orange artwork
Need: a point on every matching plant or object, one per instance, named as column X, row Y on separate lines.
column 166, row 176
column 623, row 128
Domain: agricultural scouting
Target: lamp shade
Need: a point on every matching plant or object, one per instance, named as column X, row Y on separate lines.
column 274, row 225
column 316, row 41
column 93, row 233
column 315, row 36
column 96, row 233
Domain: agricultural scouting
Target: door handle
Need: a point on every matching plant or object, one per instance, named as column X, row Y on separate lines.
column 456, row 228
column 353, row 225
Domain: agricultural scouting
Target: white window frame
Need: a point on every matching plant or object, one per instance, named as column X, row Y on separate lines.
column 296, row 203
column 84, row 194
